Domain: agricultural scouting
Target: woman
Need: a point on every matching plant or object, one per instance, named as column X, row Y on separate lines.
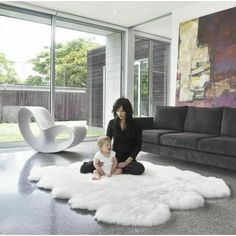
column 127, row 139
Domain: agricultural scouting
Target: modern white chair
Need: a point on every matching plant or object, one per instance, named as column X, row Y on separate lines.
column 46, row 141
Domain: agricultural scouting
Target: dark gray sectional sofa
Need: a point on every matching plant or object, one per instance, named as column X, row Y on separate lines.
column 203, row 135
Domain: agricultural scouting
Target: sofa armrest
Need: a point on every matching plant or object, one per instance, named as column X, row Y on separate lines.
column 145, row 122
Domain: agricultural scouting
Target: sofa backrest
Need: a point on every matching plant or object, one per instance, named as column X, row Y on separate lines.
column 204, row 120
column 228, row 127
column 168, row 117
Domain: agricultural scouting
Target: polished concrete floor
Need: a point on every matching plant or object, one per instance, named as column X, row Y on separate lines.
column 25, row 209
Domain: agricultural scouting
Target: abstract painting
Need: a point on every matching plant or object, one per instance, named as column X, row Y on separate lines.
column 206, row 74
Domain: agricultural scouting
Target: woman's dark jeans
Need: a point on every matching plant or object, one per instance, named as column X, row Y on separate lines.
column 133, row 168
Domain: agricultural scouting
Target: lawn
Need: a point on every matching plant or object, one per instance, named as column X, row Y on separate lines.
column 9, row 132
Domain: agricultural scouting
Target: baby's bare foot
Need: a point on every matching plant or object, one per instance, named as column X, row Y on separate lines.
column 96, row 178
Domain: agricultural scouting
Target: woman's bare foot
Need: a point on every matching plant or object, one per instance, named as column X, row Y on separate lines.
column 117, row 171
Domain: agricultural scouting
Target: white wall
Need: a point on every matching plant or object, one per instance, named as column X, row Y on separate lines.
column 112, row 81
column 187, row 13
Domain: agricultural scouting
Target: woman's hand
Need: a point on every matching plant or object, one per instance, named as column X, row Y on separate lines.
column 122, row 164
column 125, row 163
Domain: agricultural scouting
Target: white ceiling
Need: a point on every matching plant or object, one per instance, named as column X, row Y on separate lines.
column 123, row 13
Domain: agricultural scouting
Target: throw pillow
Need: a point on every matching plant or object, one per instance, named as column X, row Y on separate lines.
column 169, row 117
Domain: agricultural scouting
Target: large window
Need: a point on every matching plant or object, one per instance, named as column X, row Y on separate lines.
column 150, row 75
column 21, row 83
column 86, row 59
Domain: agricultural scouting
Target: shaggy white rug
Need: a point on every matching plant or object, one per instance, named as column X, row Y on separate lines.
column 143, row 200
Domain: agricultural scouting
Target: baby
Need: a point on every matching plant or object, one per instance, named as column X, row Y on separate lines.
column 104, row 160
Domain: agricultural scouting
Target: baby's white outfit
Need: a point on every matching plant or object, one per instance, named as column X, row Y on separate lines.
column 107, row 161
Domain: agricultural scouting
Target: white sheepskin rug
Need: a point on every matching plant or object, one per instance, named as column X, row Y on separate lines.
column 143, row 200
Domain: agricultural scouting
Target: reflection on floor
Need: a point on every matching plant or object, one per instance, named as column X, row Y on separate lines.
column 25, row 209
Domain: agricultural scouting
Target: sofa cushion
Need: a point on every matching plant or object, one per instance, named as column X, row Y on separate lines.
column 167, row 117
column 186, row 140
column 203, row 120
column 221, row 145
column 153, row 135
column 229, row 117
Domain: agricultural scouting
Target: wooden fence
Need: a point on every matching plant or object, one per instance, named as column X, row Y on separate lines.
column 70, row 103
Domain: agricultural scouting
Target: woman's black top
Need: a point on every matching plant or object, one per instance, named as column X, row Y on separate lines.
column 127, row 142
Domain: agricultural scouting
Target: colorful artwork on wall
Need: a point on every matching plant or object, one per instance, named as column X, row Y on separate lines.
column 206, row 75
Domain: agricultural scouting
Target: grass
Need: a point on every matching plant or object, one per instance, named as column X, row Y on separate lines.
column 9, row 132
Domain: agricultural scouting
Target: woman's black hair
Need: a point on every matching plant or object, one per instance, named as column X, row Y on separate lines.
column 127, row 107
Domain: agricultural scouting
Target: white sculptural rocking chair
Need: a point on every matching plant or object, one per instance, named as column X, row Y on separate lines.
column 46, row 141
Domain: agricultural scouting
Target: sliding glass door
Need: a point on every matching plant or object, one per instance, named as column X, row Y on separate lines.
column 141, row 104
column 73, row 101
column 150, row 75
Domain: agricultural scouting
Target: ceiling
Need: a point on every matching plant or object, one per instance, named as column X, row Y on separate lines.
column 137, row 14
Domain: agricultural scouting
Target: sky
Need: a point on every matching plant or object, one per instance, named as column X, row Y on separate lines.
column 21, row 40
